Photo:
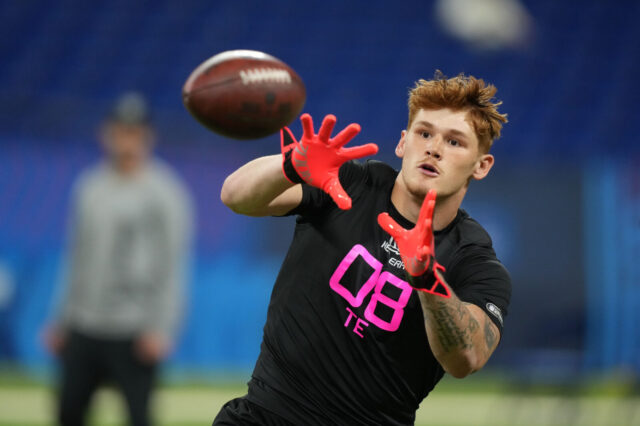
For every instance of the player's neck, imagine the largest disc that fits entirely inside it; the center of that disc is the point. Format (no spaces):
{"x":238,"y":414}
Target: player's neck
{"x":408,"y":205}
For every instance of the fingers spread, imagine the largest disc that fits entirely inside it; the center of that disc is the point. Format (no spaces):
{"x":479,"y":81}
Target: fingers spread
{"x":307,"y":125}
{"x":345,"y":135}
{"x":431,"y":195}
{"x":387,"y":223}
{"x":428,"y":205}
{"x":327,"y":127}
{"x":359,"y":151}
{"x":427,"y":231}
{"x":337,"y":193}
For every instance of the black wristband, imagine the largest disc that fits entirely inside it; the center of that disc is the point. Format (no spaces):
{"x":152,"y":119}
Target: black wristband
{"x":424,"y":281}
{"x":288,"y":169}
{"x":429,"y":281}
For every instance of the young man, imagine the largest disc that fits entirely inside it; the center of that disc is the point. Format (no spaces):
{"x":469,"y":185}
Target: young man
{"x":385,"y":286}
{"x":131,"y":220}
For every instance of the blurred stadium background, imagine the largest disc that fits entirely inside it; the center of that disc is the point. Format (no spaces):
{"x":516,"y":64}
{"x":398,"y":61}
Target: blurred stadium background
{"x":563,"y":203}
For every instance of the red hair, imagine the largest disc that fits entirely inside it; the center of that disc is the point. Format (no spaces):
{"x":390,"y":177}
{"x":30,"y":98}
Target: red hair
{"x":461,"y":93}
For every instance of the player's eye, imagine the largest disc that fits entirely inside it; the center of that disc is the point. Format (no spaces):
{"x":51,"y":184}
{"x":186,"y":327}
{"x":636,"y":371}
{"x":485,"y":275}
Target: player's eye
{"x":425,"y":134}
{"x":453,"y":142}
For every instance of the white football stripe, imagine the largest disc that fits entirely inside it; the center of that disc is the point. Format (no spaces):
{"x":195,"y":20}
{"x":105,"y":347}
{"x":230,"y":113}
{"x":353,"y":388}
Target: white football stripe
{"x":263,"y":75}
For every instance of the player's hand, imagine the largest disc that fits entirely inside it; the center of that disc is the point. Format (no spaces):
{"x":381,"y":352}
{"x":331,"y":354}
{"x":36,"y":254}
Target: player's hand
{"x":317,"y":158}
{"x":417,"y":248}
{"x":152,"y":347}
{"x":54,"y":339}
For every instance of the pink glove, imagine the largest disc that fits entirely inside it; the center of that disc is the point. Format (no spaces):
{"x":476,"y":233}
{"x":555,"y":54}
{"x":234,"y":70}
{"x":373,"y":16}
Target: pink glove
{"x":316,"y":159}
{"x":417,"y":248}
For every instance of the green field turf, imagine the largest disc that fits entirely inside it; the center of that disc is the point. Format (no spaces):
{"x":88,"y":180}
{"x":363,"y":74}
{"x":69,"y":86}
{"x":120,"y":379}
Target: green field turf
{"x":472,"y":401}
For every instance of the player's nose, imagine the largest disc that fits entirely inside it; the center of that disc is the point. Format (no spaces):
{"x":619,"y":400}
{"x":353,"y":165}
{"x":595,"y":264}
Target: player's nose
{"x":434,"y":146}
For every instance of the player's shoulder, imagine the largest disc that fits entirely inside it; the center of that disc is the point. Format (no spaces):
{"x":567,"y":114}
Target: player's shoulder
{"x":372,"y":172}
{"x":380,"y":173}
{"x":469,"y":233}
{"x":464,"y":234}
{"x":468,"y":243}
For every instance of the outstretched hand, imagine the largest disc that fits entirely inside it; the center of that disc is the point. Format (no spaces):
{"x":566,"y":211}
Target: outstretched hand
{"x":417,"y":248}
{"x":317,"y":158}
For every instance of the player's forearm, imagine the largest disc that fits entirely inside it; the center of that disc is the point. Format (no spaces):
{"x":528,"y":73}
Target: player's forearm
{"x":250,"y":189}
{"x":455,"y":335}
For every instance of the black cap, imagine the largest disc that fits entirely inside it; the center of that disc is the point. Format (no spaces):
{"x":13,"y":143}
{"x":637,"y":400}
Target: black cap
{"x":130,"y":108}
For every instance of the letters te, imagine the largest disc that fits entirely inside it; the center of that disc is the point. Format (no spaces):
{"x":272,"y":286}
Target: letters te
{"x":357,"y":328}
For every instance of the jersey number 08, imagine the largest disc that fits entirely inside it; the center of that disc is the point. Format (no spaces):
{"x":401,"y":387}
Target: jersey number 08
{"x":376,"y":282}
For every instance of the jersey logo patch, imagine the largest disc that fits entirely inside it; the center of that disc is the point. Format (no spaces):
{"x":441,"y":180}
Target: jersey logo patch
{"x":495,"y":311}
{"x":391,"y":247}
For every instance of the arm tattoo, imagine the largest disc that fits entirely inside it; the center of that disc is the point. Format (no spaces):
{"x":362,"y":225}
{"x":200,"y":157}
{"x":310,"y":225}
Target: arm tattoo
{"x":489,"y":335}
{"x":454,"y":326}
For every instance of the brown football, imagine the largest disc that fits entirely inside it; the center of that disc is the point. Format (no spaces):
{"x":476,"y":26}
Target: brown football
{"x":244,"y":94}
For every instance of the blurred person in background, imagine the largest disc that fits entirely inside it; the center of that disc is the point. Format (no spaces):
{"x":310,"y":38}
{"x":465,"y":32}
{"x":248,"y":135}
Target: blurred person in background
{"x":130,"y":232}
{"x":380,"y":296}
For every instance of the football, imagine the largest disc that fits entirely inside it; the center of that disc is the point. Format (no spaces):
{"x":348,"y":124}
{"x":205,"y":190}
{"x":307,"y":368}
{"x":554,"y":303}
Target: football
{"x":244,"y":94}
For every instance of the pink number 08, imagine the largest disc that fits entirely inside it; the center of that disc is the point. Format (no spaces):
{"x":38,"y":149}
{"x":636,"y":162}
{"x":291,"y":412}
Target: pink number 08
{"x":376,"y":281}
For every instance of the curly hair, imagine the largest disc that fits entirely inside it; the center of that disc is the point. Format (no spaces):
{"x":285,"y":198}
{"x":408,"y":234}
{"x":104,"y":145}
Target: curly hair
{"x":461,"y":93}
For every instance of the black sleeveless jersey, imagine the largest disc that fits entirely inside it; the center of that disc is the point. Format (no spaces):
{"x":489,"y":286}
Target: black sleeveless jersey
{"x":345,"y":342}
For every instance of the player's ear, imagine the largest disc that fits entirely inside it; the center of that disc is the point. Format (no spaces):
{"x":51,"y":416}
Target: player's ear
{"x":483,"y":166}
{"x":400,"y":146}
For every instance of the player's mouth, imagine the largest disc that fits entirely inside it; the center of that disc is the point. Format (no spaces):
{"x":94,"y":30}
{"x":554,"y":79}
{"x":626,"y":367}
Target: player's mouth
{"x":429,"y":170}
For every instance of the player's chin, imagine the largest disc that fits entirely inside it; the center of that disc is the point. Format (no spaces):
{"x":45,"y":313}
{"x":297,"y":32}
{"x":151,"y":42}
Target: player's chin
{"x":420,"y":191}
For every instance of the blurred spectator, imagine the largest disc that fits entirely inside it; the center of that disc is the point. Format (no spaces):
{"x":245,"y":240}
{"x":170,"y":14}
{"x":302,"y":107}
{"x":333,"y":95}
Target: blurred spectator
{"x":130,"y":231}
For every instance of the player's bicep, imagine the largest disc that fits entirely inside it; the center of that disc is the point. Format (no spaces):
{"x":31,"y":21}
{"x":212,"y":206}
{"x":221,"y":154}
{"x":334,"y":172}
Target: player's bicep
{"x":283,"y":203}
